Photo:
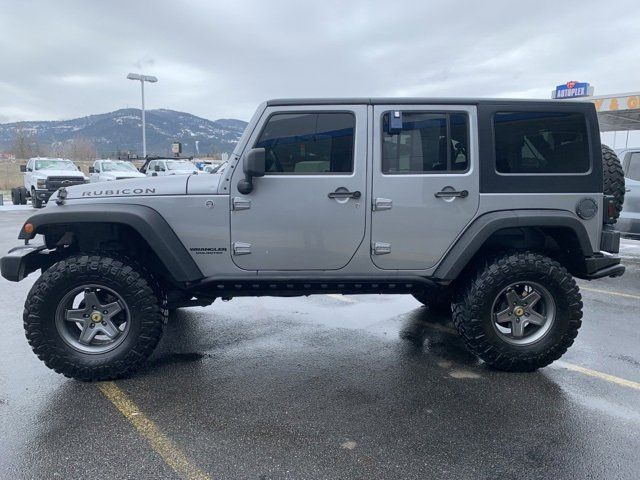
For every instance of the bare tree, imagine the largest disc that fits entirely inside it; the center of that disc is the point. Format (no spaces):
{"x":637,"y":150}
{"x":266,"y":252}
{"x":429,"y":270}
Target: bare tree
{"x":24,"y":144}
{"x":76,"y":149}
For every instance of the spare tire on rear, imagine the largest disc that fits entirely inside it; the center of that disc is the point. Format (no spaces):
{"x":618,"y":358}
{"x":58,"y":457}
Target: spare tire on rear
{"x":613,"y":178}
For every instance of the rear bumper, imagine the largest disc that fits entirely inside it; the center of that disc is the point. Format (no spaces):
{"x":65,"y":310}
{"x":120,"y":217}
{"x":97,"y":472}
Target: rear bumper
{"x":602,"y":265}
{"x":21,"y":261}
{"x":610,"y":240}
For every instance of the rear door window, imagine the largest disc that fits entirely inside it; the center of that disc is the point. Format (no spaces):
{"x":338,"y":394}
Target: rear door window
{"x":541,"y":143}
{"x":308,"y":143}
{"x":424,"y":142}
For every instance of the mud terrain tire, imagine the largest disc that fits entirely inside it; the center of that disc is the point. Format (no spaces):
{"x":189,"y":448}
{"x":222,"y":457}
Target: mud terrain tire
{"x":137,"y":299}
{"x":613,"y":178}
{"x":475,"y":314}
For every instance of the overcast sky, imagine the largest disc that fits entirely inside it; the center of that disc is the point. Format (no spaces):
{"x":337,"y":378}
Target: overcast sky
{"x":64,"y":59}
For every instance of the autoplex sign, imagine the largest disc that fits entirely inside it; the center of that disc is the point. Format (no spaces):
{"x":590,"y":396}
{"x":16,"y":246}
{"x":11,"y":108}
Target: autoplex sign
{"x":572,"y":89}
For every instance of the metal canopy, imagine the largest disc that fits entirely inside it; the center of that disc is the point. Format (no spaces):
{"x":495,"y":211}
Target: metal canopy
{"x":620,"y":112}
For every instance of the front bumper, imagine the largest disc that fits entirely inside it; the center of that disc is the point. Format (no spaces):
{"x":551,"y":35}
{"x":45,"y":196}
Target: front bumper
{"x":44,"y":195}
{"x":21,"y":261}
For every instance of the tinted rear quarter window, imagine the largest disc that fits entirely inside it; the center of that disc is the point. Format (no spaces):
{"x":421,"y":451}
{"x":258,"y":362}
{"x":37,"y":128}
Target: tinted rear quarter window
{"x":541,"y":143}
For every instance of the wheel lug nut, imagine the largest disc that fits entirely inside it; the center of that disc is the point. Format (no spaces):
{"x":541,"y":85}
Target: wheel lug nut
{"x":105,"y":311}
{"x":86,"y":315}
{"x":92,"y":325}
{"x":104,"y":323}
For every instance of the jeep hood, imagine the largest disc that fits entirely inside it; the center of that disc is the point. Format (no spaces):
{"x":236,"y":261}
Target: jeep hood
{"x":132,"y":187}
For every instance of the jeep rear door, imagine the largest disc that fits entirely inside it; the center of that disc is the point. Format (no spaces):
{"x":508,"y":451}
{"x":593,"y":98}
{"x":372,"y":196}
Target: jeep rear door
{"x":425,"y":182}
{"x":307,"y":212}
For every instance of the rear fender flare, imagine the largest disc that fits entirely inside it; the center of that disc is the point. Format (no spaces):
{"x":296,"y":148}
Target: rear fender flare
{"x":479,"y":231}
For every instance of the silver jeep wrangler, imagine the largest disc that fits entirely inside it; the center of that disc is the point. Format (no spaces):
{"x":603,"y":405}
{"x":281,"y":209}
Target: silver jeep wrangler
{"x":489,"y":208}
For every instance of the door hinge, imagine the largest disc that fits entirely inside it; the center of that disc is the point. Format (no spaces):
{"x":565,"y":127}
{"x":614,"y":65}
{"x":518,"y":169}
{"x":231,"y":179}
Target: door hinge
{"x":240,"y":204}
{"x":241,"y":248}
{"x":380,"y":248}
{"x":382,"y":204}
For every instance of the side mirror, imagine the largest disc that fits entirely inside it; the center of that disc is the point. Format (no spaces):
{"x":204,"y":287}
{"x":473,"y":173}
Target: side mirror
{"x":157,"y":168}
{"x":23,"y":168}
{"x":92,"y":170}
{"x":253,"y":165}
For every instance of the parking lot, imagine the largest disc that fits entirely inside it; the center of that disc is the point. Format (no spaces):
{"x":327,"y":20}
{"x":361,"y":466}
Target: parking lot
{"x":327,"y":387}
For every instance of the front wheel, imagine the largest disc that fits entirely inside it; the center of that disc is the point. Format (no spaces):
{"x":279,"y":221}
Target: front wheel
{"x":519,"y":312}
{"x":35,"y":201}
{"x":93,"y":318}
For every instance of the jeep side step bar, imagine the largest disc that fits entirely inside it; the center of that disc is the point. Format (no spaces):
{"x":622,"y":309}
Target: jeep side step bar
{"x":280,"y":286}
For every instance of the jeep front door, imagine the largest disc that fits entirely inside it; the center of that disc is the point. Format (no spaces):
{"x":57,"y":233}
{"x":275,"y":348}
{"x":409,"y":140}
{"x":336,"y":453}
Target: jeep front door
{"x":425,"y":182}
{"x":307,"y":212}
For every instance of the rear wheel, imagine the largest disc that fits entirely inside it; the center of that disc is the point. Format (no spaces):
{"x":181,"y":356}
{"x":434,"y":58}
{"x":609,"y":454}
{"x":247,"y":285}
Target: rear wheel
{"x":519,"y":312}
{"x":15,"y":196}
{"x":93,"y":318}
{"x":24,"y":194}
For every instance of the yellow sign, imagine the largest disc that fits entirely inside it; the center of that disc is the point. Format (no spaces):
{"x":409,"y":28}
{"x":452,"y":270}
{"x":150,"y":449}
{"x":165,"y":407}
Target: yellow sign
{"x":611,"y":104}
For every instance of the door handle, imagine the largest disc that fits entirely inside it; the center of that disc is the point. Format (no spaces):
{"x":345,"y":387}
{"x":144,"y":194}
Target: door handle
{"x":347,"y":194}
{"x":452,"y":193}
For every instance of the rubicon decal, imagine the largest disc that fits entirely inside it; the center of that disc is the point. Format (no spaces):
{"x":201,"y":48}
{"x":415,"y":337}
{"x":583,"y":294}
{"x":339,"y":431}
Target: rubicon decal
{"x":124,"y":191}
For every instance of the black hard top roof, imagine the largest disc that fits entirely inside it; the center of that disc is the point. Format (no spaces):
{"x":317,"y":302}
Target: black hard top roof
{"x":414,"y":101}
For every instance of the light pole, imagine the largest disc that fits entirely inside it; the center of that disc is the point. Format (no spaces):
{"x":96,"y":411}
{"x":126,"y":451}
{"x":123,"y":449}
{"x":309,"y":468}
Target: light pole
{"x":142,"y":79}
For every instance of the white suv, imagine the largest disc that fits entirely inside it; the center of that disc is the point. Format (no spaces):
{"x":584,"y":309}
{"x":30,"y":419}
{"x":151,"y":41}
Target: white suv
{"x":108,"y":170}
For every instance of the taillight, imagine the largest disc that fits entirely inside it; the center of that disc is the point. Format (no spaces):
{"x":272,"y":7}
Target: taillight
{"x":609,"y":210}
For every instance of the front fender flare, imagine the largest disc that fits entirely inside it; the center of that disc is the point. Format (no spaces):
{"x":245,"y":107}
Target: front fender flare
{"x":151,"y":226}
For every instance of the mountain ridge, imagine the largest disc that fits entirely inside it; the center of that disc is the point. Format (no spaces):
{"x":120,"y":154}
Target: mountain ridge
{"x":120,"y":132}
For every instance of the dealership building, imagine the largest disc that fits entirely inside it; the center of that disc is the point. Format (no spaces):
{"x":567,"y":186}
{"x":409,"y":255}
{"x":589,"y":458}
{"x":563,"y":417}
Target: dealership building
{"x":618,"y":114}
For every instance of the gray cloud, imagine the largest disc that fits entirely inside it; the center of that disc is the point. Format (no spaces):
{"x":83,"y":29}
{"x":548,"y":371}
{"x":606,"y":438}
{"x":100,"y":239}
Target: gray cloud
{"x":69,"y":58}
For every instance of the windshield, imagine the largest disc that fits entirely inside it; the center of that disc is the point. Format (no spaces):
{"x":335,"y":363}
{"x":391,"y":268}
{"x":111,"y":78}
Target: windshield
{"x":118,"y":167}
{"x":180,"y":165}
{"x":55,"y":165}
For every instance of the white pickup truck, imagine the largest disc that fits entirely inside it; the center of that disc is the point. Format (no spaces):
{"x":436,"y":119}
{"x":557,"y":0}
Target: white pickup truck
{"x":43,"y":176}
{"x":108,"y":170}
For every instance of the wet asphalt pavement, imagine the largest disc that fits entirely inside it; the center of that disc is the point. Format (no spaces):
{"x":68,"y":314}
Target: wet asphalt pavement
{"x":330,"y":387}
